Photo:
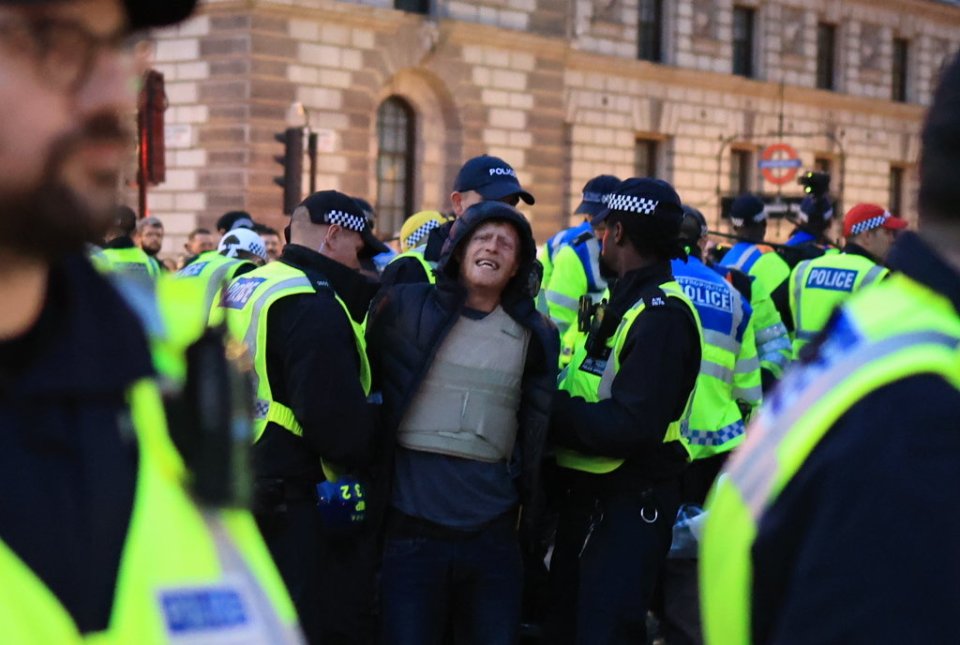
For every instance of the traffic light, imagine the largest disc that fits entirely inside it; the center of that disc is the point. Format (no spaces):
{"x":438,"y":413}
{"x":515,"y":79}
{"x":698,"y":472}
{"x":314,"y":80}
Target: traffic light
{"x":292,"y":162}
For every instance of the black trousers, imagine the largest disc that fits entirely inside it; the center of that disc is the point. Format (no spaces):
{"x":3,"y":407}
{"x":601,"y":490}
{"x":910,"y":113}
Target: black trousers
{"x":331,"y":579}
{"x":608,"y":553}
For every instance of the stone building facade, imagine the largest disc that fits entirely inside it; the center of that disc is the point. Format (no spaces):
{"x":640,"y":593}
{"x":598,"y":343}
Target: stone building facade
{"x":557,"y":88}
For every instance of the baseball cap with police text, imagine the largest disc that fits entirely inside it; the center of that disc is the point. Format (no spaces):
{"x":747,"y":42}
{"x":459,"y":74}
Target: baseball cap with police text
{"x":747,"y":210}
{"x":492,"y":177}
{"x":595,"y":194}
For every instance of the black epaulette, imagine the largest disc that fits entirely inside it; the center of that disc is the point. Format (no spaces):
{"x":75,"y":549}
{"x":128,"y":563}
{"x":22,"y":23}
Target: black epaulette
{"x":583,"y":237}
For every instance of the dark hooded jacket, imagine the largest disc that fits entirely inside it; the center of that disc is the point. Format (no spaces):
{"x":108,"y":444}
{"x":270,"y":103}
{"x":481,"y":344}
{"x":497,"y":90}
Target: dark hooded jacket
{"x":409,"y":322}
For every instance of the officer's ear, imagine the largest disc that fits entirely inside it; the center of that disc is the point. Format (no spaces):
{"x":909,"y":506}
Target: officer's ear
{"x":618,"y":233}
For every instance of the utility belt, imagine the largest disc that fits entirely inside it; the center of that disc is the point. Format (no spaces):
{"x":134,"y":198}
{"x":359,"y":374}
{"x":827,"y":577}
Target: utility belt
{"x":665,"y":464}
{"x":401,"y":525}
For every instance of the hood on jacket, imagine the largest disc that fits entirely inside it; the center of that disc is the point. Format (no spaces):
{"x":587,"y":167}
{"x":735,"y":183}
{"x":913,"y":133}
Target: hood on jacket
{"x":463,"y":227}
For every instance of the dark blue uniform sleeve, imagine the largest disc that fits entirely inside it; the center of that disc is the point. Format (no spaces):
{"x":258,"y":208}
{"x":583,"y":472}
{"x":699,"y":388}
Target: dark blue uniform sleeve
{"x":314,"y":369}
{"x":861,"y":544}
{"x":403,"y":271}
{"x":659,"y":363}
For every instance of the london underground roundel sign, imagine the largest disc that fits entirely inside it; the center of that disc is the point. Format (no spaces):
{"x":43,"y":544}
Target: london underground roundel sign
{"x":779,"y":163}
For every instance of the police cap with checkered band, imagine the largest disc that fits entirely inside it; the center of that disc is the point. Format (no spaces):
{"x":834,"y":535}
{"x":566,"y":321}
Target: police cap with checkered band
{"x":644,"y":197}
{"x":866,"y":217}
{"x":333,"y":207}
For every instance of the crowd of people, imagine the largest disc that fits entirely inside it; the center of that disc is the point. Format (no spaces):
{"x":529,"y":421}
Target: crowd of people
{"x":630,"y":432}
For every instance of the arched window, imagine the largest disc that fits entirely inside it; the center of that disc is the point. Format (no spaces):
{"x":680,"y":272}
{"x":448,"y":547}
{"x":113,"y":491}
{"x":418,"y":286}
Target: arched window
{"x":395,"y":158}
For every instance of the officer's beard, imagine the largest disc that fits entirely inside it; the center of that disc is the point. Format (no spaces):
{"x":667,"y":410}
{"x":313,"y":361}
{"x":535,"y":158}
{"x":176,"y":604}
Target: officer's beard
{"x":51,"y":220}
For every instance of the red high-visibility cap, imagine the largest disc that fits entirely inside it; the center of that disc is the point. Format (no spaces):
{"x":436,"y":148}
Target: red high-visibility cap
{"x":866,"y":217}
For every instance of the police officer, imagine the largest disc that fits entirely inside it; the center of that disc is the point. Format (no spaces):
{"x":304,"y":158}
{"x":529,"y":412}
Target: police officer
{"x":591,"y":203}
{"x":480,"y":179}
{"x":240,"y":251}
{"x":234,"y":219}
{"x":415,"y":238}
{"x":301,"y":319}
{"x":842,"y":495}
{"x":576,"y":269}
{"x":617,"y":426}
{"x":768,"y":270}
{"x":120,"y":254}
{"x":813,"y":222}
{"x":100,"y":537}
{"x":817,"y":286}
{"x":728,"y":391}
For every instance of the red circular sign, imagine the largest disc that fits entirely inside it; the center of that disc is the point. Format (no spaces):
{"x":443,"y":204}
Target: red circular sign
{"x":784,"y":175}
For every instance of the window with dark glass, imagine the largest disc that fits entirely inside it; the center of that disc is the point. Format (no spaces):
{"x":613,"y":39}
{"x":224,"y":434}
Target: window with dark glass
{"x":895,"y":201}
{"x":743,"y":41}
{"x":395,"y":157}
{"x":650,"y":30}
{"x":645,"y":158}
{"x":900,"y":56}
{"x":826,"y":55}
{"x":741,"y":169}
{"x":413,"y":6}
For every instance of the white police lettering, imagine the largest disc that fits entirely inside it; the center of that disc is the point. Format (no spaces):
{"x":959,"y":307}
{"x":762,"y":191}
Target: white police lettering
{"x":192,"y":270}
{"x":594,"y":366}
{"x":222,"y":612}
{"x":832,"y":279}
{"x":715,"y":296}
{"x":503,"y":171}
{"x":239,"y":292}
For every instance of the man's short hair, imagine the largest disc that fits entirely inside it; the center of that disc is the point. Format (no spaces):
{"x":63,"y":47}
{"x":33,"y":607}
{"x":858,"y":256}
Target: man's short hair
{"x":125,"y":220}
{"x":939,"y":193}
{"x":263,"y":229}
{"x":149,"y":222}
{"x":198,"y":231}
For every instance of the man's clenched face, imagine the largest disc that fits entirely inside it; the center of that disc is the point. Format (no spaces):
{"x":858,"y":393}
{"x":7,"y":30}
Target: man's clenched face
{"x":66,"y":88}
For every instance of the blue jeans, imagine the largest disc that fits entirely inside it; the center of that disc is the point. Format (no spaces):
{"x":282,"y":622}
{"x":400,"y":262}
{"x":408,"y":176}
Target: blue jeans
{"x":472,"y":583}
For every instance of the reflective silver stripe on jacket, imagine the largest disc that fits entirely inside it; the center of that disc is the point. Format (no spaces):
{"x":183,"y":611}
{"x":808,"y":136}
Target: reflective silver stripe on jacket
{"x":250,"y":339}
{"x":754,"y":468}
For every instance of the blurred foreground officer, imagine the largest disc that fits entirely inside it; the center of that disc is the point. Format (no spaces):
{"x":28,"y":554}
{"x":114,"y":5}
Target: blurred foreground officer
{"x":819,"y":285}
{"x":834,"y":522}
{"x":617,"y":423}
{"x":120,"y":254}
{"x":100,"y":539}
{"x":482,"y":178}
{"x":240,"y":251}
{"x":728,"y":391}
{"x":468,"y":370}
{"x":301,"y":319}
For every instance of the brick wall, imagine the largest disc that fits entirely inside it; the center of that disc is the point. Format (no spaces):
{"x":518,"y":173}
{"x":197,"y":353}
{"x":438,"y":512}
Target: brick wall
{"x":553,"y":87}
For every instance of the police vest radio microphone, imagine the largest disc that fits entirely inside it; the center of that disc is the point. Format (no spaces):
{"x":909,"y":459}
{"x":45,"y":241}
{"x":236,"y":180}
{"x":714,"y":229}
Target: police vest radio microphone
{"x":217,"y":429}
